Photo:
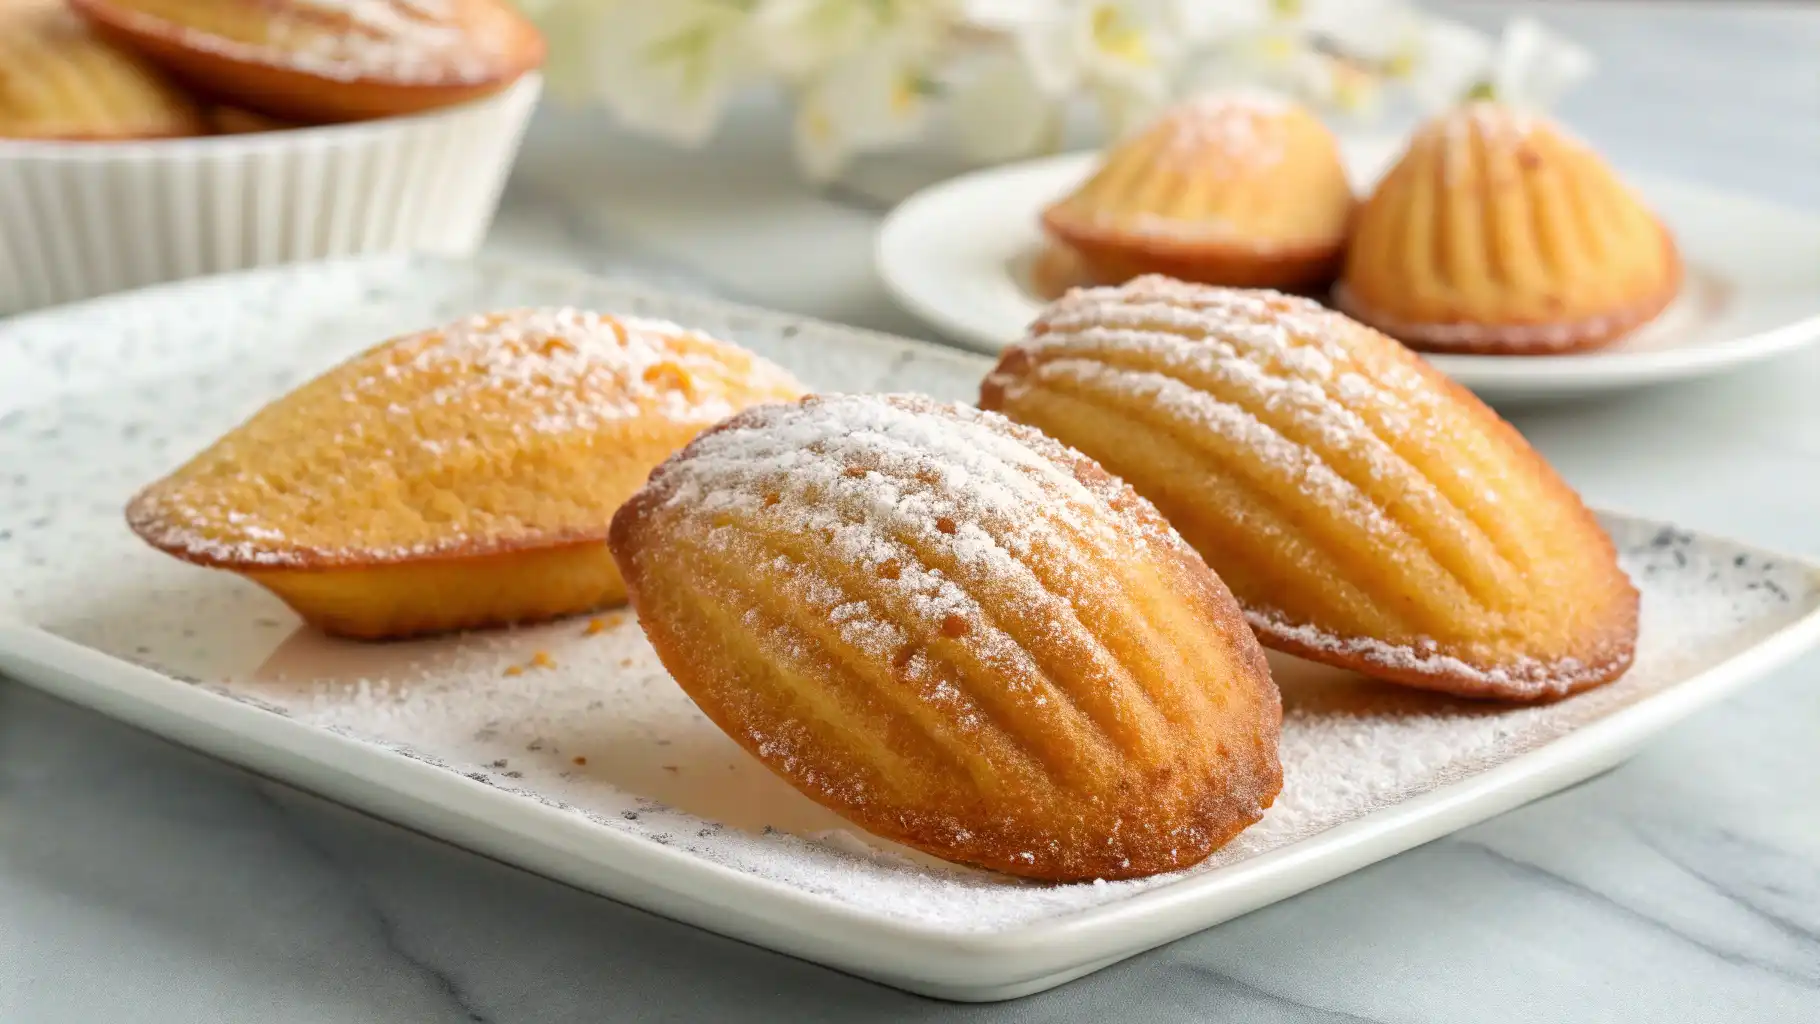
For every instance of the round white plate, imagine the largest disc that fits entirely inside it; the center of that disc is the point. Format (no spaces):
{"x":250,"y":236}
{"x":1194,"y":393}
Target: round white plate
{"x":958,"y":255}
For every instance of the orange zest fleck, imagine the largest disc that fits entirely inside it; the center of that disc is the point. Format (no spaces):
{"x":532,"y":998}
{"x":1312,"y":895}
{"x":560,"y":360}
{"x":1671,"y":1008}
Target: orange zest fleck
{"x":515,"y":670}
{"x":542,"y":659}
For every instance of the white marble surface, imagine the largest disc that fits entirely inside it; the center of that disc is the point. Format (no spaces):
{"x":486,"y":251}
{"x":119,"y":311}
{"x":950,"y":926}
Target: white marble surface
{"x":139,"y":882}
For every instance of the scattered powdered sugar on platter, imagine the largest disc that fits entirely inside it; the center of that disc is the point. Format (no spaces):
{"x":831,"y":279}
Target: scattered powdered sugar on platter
{"x":578,"y":714}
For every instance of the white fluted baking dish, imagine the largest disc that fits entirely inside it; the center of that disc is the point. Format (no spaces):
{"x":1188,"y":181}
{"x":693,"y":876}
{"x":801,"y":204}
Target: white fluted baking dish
{"x":79,"y":219}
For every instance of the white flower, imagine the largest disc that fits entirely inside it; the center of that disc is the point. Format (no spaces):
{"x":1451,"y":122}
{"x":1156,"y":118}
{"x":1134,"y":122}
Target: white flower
{"x":1125,"y":45}
{"x":1203,"y":22}
{"x":1002,"y":113}
{"x":1446,"y":61}
{"x":1356,"y":27}
{"x":868,"y":99}
{"x":1276,"y":56}
{"x":1535,"y":67}
{"x":1003,"y":15}
{"x":1340,"y":54}
{"x":1124,"y":53}
{"x":805,"y":37}
{"x":668,"y":66}
{"x":1366,"y":30}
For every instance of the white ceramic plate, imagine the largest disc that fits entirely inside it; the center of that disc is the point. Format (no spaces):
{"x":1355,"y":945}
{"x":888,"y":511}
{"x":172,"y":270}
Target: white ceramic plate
{"x":958,"y":255}
{"x":597,"y":770}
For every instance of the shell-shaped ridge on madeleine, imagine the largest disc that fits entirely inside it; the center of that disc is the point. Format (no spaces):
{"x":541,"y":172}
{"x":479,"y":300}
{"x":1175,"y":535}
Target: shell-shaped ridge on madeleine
{"x":1498,"y":231}
{"x":1365,"y":510}
{"x":1241,"y":187}
{"x":498,"y":432}
{"x":956,"y":633}
{"x":58,"y":80}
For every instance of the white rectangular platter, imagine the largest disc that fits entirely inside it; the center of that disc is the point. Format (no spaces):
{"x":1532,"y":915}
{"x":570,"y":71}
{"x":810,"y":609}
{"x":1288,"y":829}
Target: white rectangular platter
{"x":595,"y":768}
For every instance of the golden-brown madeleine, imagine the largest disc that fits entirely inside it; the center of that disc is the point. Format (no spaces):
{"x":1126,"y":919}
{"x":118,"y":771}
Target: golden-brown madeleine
{"x":59,"y":80}
{"x":1242,"y":188}
{"x":957,"y":634}
{"x":1367,"y":511}
{"x":1499,"y":233}
{"x":455,"y":478}
{"x":317,"y":61}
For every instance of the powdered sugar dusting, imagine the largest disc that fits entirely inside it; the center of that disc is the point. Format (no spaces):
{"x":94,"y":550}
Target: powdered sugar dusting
{"x":405,"y":41}
{"x":1226,"y":134}
{"x":553,"y":372}
{"x":868,"y":477}
{"x":1312,"y":474}
{"x":1285,"y":352}
{"x":578,"y":369}
{"x":1496,"y":122}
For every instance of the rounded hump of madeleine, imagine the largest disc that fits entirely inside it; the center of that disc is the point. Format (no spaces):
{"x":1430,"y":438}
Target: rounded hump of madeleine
{"x":1366,"y":511}
{"x":470,"y":449}
{"x":1238,"y":188}
{"x":313,"y":63}
{"x":1497,"y":232}
{"x":957,"y":634}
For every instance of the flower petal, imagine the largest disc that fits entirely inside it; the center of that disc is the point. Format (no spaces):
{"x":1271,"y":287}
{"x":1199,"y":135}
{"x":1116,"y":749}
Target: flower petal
{"x":1001,"y":112}
{"x":1053,"y":54}
{"x":1536,"y":67}
{"x":669,"y":67}
{"x":1203,"y":23}
{"x":1449,"y":60}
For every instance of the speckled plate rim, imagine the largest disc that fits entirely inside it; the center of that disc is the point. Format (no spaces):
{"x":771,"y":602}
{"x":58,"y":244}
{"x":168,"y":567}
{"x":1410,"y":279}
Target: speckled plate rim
{"x":971,"y":966}
{"x":946,"y":255}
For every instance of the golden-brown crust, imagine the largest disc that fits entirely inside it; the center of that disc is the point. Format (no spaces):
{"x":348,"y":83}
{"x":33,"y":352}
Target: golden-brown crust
{"x":1463,"y":336}
{"x":409,"y":599}
{"x":1497,"y":233}
{"x":262,"y":77}
{"x":425,"y":484}
{"x":1114,"y":257}
{"x":1368,"y":512}
{"x":1240,"y":189}
{"x":225,"y":120}
{"x":1056,"y":687}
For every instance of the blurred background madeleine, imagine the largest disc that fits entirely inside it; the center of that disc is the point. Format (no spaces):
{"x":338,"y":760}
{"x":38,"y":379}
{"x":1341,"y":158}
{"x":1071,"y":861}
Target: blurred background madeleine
{"x":61,"y":81}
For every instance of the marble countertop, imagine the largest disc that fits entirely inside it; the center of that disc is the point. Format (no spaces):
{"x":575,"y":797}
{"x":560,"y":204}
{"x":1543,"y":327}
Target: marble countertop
{"x":142,"y":882}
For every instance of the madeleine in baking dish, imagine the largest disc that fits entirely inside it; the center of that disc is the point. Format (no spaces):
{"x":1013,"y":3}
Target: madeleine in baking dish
{"x":59,"y":80}
{"x":1366,"y":511}
{"x":329,"y":60}
{"x":454,"y":478}
{"x":1240,"y":188}
{"x":956,"y":633}
{"x":1499,"y":233}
